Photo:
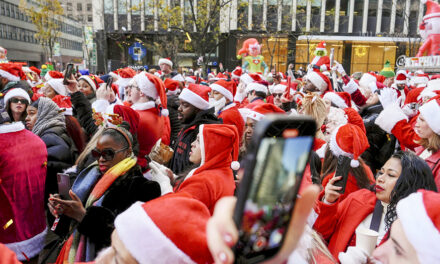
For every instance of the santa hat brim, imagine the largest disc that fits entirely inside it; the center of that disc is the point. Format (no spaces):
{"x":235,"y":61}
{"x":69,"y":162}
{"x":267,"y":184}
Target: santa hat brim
{"x":336,"y":99}
{"x":194,"y":99}
{"x":418,"y":228}
{"x":317,"y":80}
{"x":89,"y":81}
{"x":9,"y":76}
{"x":166,"y":61}
{"x":17,"y":92}
{"x":256,"y":87}
{"x":430,"y":112}
{"x":225,"y":92}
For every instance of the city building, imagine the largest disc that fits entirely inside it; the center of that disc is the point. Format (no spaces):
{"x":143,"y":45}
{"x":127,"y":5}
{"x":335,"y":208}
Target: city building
{"x":17,"y":35}
{"x":80,"y":10}
{"x":363,"y":33}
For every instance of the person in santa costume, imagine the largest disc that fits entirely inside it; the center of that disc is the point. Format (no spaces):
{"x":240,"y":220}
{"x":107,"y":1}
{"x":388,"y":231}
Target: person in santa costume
{"x":414,"y":235}
{"x":22,"y":177}
{"x":404,"y":173}
{"x":317,"y":82}
{"x":256,"y":93}
{"x":166,"y":67}
{"x":321,"y":60}
{"x":150,"y":101}
{"x":194,"y":110}
{"x":54,"y":87}
{"x":16,"y":102}
{"x":10,"y":76}
{"x":88,"y":84}
{"x":431,"y":45}
{"x":241,"y":94}
{"x":123,"y":77}
{"x":425,"y":135}
{"x":222,"y":93}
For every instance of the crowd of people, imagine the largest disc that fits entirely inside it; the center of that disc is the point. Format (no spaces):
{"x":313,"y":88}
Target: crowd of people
{"x":153,"y":159}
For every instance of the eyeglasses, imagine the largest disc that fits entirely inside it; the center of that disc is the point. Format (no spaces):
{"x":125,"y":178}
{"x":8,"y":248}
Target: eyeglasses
{"x":17,"y":100}
{"x":277,"y":95}
{"x":106,"y":154}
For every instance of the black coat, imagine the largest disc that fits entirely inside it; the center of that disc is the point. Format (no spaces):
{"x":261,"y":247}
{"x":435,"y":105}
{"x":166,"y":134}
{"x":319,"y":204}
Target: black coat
{"x":176,"y":124}
{"x":83,"y":112}
{"x":180,"y":161}
{"x":98,"y":223}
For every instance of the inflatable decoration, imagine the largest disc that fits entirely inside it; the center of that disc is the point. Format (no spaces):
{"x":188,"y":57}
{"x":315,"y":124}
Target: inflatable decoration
{"x":253,"y":62}
{"x":430,"y":30}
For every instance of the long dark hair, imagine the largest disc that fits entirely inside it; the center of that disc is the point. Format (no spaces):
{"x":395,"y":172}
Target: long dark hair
{"x":9,"y":110}
{"x":415,"y":175}
{"x":359,"y":173}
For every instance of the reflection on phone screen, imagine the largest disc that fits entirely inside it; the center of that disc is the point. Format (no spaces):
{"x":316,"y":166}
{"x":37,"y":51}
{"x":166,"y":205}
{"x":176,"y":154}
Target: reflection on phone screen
{"x":277,"y":174}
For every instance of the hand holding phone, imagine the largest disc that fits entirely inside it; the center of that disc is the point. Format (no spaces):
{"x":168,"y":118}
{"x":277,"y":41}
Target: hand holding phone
{"x":64,"y":185}
{"x":68,"y":74}
{"x":342,"y":170}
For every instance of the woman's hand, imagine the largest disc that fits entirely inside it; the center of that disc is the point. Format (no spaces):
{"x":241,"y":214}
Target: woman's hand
{"x":331,"y":191}
{"x":73,"y":209}
{"x":73,"y":85}
{"x":52,"y":205}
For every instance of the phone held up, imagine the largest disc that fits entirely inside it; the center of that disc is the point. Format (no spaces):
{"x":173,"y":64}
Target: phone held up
{"x":68,"y":74}
{"x":273,"y":169}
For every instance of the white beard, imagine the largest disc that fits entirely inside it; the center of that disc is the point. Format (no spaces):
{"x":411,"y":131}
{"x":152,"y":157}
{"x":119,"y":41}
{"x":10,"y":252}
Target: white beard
{"x":218,"y":105}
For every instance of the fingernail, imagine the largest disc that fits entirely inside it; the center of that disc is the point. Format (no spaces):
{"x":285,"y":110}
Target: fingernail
{"x":227,"y":238}
{"x":55,"y":211}
{"x":223,"y":257}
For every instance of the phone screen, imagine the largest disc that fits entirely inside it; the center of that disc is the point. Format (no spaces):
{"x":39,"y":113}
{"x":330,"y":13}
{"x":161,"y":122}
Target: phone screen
{"x":280,"y":163}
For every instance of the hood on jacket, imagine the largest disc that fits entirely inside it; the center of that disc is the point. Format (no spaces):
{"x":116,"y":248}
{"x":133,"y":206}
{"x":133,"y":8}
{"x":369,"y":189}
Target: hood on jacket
{"x":204,"y":117}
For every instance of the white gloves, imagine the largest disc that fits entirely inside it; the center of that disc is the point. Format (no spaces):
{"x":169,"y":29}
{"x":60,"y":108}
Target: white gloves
{"x":159,"y":174}
{"x":387,"y":97}
{"x":339,"y":68}
{"x":353,"y":255}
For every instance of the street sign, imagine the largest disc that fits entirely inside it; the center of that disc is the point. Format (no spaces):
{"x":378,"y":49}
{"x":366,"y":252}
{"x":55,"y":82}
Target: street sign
{"x":56,"y":49}
{"x":93,"y":56}
{"x":137,"y":51}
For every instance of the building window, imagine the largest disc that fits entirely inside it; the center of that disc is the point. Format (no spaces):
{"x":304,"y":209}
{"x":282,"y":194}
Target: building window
{"x":89,"y":18}
{"x":89,"y":7}
{"x":79,"y":7}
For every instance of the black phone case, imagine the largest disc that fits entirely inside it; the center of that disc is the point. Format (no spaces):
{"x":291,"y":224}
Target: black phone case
{"x":342,"y":170}
{"x":69,"y":71}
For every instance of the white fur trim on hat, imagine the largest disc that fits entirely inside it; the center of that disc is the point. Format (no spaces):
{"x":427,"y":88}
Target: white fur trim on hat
{"x":336,"y":99}
{"x":317,"y":80}
{"x":246,"y":78}
{"x":190,"y":80}
{"x":256,"y":87}
{"x":166,"y":61}
{"x":420,"y":80}
{"x":372,"y":86}
{"x":58,"y":86}
{"x":279,"y":88}
{"x":350,"y":87}
{"x":225,"y":92}
{"x":366,"y":79}
{"x":16,"y":92}
{"x":114,"y":75}
{"x":144,"y":240}
{"x":189,"y":96}
{"x":12,"y":127}
{"x":89,"y":81}
{"x":255,"y":115}
{"x":431,"y":112}
{"x":389,"y":117}
{"x":145,"y":85}
{"x":179,"y":78}
{"x":418,"y":228}
{"x":9,"y":76}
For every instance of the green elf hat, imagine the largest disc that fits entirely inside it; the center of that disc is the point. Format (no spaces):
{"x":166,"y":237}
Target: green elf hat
{"x":387,"y":71}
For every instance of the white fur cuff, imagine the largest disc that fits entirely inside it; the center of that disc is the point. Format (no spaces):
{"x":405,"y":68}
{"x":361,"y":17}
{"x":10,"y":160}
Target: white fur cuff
{"x":350,"y":87}
{"x":389,"y":117}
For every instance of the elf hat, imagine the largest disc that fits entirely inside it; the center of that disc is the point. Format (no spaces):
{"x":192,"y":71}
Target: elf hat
{"x":153,"y":87}
{"x":226,"y":88}
{"x":92,"y":80}
{"x":58,"y":86}
{"x":340,"y":99}
{"x":236,"y":73}
{"x":150,"y":234}
{"x":11,"y":71}
{"x":430,"y":112}
{"x":17,"y":92}
{"x":432,"y":9}
{"x":387,"y":71}
{"x":260,"y":111}
{"x":321,"y":81}
{"x":166,"y":61}
{"x":260,"y":86}
{"x":350,"y":141}
{"x":419,"y":215}
{"x":53,"y":75}
{"x":400,"y":78}
{"x":196,"y":95}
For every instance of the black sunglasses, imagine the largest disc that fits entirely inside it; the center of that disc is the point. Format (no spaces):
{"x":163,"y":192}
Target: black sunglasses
{"x":277,"y":95}
{"x":106,"y":154}
{"x":17,"y":100}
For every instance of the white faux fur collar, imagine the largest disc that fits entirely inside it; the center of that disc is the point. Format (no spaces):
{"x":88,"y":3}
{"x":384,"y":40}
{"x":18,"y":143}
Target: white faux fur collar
{"x":228,"y":106}
{"x":143,"y":106}
{"x":12,"y":127}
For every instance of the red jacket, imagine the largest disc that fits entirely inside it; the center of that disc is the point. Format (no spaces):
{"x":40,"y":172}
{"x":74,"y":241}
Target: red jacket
{"x":23,"y":161}
{"x":337,"y":222}
{"x":232,"y":116}
{"x":434,"y":163}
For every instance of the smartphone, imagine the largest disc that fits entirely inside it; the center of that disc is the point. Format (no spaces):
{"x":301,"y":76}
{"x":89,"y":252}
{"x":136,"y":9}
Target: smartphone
{"x":64,"y":185}
{"x":69,"y":70}
{"x":342,"y":169}
{"x":414,"y":106}
{"x":273,"y":169}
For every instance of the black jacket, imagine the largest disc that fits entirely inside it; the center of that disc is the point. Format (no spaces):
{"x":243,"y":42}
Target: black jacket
{"x":176,"y":124}
{"x":180,"y":161}
{"x":83,"y":112}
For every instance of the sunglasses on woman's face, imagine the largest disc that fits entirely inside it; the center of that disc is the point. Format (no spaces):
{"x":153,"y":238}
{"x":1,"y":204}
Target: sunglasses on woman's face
{"x":106,"y":154}
{"x":17,"y":100}
{"x":277,"y":95}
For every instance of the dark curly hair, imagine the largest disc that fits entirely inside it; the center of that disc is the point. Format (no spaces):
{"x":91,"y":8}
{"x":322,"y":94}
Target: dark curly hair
{"x":415,"y":175}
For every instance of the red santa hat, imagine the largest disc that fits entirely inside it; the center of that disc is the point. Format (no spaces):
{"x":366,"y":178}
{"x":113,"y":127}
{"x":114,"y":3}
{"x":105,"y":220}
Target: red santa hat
{"x":250,"y":77}
{"x":226,"y":88}
{"x":419,"y":214}
{"x":150,"y":234}
{"x":279,"y":88}
{"x":236,"y":73}
{"x":191,"y":79}
{"x":400,"y":78}
{"x":153,"y":87}
{"x":129,"y":115}
{"x":321,"y":81}
{"x":350,"y":141}
{"x":196,"y":95}
{"x":35,"y":69}
{"x":432,"y":9}
{"x":420,"y":79}
{"x":53,"y":75}
{"x":432,"y":89}
{"x":12,"y":71}
{"x":221,"y":76}
{"x":431,"y":113}
{"x":282,"y":75}
{"x":166,"y":61}
{"x":321,"y":45}
{"x":413,"y":95}
{"x":127,"y":73}
{"x":64,"y":103}
{"x":16,"y":92}
{"x":172,"y":86}
{"x":92,"y":80}
{"x":260,"y":86}
{"x":179,"y":78}
{"x":58,"y":86}
{"x":260,"y":111}
{"x":340,"y":99}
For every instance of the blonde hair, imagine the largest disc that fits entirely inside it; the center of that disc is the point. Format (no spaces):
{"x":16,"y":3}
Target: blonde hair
{"x":314,"y":106}
{"x":432,"y":143}
{"x":90,"y":146}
